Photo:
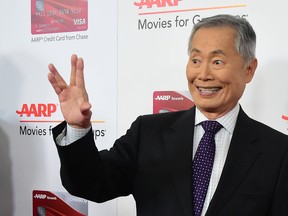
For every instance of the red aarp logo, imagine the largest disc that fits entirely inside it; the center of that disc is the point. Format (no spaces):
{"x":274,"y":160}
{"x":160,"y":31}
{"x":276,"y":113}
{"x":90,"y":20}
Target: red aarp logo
{"x":285,"y":117}
{"x":157,"y":3}
{"x":37,"y":110}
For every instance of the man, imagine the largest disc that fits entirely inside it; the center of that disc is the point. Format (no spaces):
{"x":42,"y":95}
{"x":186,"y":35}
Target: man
{"x":157,"y":160}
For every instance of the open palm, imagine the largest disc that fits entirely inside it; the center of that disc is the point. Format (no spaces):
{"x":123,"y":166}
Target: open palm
{"x":73,"y":98}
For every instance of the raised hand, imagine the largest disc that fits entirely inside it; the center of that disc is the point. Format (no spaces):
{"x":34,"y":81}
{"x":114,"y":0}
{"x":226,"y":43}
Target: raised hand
{"x":73,"y":98}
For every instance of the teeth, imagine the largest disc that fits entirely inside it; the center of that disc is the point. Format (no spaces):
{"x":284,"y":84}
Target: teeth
{"x":208,"y":90}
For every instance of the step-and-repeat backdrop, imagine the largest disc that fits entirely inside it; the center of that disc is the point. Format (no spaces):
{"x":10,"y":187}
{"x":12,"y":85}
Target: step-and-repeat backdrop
{"x":135,"y":56}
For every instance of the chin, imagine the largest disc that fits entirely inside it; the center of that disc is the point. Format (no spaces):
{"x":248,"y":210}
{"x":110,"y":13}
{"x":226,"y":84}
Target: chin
{"x":207,"y":108}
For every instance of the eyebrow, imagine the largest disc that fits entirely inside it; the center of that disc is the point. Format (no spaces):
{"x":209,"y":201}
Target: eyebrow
{"x":215,"y":52}
{"x":195,"y":50}
{"x":219,"y":52}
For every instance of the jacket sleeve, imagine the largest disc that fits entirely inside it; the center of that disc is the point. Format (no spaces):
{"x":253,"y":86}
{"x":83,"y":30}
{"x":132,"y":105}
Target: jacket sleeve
{"x":279,"y":205}
{"x":98,"y":175}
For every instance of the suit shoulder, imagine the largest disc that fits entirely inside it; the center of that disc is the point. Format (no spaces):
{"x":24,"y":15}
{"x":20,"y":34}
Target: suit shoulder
{"x":161,"y":120}
{"x":260,"y":128}
{"x":168,"y":117}
{"x":269,"y":132}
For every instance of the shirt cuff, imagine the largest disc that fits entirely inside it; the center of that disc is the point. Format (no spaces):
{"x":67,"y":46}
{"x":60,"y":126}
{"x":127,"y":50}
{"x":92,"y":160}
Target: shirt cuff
{"x":70,"y":135}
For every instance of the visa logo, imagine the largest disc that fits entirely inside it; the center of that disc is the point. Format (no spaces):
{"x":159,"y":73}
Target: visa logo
{"x":80,"y":21}
{"x":163,"y":97}
{"x":157,"y":3}
{"x":40,"y":196}
{"x":38,"y":110}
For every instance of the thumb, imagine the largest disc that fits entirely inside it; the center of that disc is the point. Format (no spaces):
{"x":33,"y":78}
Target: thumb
{"x":85,"y":109}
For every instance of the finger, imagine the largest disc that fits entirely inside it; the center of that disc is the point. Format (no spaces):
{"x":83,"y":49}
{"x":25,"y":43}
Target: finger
{"x":80,"y":83}
{"x":55,"y":78}
{"x":53,"y":82}
{"x":74,"y":60}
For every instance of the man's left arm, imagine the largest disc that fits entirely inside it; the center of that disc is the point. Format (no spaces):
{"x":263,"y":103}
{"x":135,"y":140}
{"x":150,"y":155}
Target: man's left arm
{"x":279,"y":205}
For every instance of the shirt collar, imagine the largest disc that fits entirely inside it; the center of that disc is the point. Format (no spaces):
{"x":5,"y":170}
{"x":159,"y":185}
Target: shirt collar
{"x":228,"y":121}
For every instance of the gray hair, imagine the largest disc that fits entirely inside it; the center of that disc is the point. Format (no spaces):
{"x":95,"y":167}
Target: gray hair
{"x":245,"y":42}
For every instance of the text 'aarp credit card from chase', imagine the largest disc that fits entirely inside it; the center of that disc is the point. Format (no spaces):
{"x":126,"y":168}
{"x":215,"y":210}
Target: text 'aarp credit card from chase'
{"x":53,"y":16}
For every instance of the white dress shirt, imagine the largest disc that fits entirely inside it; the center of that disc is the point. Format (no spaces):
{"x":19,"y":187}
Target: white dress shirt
{"x":222,"y":140}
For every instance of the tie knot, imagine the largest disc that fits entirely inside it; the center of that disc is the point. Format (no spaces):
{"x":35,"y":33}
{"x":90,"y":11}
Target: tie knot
{"x":211,"y":126}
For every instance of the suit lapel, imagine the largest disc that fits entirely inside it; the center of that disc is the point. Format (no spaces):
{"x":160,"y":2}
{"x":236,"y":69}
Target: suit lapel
{"x":178,"y":142}
{"x":241,"y":155}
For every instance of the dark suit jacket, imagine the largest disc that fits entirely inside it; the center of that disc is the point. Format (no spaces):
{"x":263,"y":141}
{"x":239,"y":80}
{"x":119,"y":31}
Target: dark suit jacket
{"x":153,"y":163}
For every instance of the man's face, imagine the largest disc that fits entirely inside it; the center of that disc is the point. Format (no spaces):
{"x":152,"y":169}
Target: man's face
{"x":216,"y":73}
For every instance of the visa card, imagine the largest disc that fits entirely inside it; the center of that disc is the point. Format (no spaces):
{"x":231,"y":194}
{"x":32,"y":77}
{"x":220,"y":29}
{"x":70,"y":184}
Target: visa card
{"x":54,"y":16}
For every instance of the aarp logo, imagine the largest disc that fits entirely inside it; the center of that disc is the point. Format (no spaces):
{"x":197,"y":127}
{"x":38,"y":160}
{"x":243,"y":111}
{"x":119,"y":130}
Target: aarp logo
{"x":40,"y":196}
{"x":37,"y":110}
{"x":162,"y":97}
{"x":156,"y":3}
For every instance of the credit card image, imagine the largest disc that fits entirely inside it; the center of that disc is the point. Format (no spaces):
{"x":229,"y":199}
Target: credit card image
{"x":54,"y":16}
{"x":171,"y":101}
{"x":47,"y":203}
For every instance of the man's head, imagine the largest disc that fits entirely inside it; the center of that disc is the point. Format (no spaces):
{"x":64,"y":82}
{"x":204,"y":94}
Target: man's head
{"x":221,"y":62}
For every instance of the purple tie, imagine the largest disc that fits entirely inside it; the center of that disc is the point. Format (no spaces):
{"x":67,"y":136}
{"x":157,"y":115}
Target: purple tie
{"x":203,"y":164}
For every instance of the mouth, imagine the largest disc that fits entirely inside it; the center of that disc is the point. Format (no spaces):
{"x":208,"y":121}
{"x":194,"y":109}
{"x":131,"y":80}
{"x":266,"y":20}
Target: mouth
{"x":208,"y":91}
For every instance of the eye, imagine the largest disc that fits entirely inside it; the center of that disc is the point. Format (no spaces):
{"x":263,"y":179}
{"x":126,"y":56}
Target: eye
{"x":218,"y":62}
{"x":195,"y":62}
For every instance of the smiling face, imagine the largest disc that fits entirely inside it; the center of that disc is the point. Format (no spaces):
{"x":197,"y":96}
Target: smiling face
{"x":216,"y":72}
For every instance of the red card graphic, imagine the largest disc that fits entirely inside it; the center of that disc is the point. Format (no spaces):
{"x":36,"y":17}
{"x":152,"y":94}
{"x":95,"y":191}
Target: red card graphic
{"x":54,"y":16}
{"x":171,"y":101}
{"x":46,"y":203}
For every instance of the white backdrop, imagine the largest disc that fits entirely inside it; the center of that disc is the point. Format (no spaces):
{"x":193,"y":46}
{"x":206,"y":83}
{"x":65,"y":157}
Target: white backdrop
{"x":129,"y":52}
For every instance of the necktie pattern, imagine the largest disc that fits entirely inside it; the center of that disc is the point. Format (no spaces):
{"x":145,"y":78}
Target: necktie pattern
{"x":203,"y":164}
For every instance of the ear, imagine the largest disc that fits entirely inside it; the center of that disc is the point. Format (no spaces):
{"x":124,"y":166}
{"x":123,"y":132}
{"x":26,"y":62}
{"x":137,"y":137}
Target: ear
{"x":250,"y":69}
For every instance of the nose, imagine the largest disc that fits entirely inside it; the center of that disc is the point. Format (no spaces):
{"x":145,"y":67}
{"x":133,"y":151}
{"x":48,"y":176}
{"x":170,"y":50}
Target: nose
{"x":205,"y":72}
